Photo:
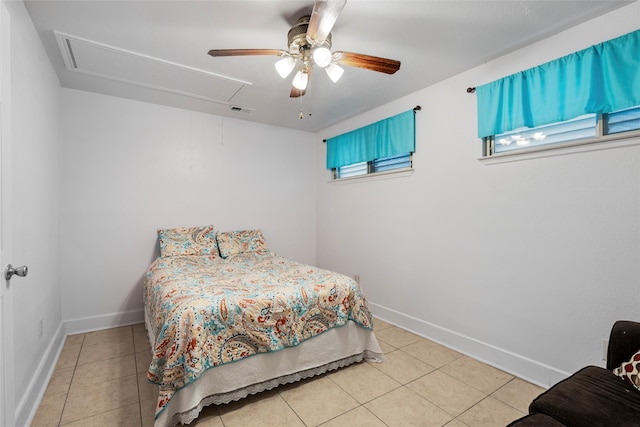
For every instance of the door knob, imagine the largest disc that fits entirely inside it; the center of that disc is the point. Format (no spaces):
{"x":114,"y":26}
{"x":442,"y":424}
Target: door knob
{"x":18,"y":271}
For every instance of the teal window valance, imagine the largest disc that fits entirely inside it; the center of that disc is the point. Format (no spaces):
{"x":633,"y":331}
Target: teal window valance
{"x":386,"y":138}
{"x":600,"y":79}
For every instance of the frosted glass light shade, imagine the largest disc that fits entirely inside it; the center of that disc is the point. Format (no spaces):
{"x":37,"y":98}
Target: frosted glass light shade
{"x":334,"y":71}
{"x":300,"y":80}
{"x":285,"y":66}
{"x":321,"y":56}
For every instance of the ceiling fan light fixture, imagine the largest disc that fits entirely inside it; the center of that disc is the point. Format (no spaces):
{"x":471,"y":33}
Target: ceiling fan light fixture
{"x":285,"y":66}
{"x":301,"y":79}
{"x":309,"y":44}
{"x":334,"y":71}
{"x":322,"y":56}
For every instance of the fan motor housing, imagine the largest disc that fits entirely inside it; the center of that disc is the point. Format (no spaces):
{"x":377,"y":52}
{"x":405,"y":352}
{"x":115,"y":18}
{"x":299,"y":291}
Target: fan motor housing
{"x":297,"y":37}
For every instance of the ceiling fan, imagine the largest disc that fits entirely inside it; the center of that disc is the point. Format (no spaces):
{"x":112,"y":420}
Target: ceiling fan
{"x":310,"y":43}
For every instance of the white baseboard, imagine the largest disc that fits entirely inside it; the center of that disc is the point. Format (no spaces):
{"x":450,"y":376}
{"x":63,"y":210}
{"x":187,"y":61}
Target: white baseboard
{"x":518,"y":365}
{"x":105,"y":321}
{"x":28,"y":405}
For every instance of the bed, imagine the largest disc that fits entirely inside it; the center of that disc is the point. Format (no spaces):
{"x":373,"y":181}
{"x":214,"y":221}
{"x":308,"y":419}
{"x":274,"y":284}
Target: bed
{"x":227,"y":317}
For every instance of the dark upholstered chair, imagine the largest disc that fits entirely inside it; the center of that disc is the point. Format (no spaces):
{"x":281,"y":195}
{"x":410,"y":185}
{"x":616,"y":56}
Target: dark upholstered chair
{"x":593,"y":396}
{"x":537,"y":420}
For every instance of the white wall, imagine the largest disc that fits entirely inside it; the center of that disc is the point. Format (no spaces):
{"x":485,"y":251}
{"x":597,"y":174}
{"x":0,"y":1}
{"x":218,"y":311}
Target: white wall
{"x":525,"y":265}
{"x":129,"y":168}
{"x":35,"y":114}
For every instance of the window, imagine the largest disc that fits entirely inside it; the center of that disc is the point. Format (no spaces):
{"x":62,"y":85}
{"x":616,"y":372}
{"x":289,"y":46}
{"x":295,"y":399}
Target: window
{"x":623,"y":121}
{"x":586,"y":127}
{"x":402,"y":161}
{"x":587,"y":96}
{"x":384,"y":146}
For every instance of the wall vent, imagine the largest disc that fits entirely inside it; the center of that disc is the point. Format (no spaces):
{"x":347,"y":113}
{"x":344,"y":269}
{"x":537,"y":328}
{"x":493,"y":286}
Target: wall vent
{"x":109,"y":62}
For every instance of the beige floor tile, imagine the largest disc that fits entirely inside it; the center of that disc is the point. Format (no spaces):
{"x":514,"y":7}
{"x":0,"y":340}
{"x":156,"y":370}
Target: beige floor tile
{"x":208,"y":422}
{"x":140,"y":338}
{"x":455,"y":423}
{"x":208,"y":417}
{"x":95,"y":399}
{"x":403,"y":367}
{"x":379,"y":324}
{"x":518,"y":393}
{"x":68,"y":356}
{"x":85,"y":389}
{"x":490,"y":413}
{"x":146,"y":389}
{"x":446,"y":392}
{"x":127,"y":416}
{"x":143,"y":360}
{"x":264,"y":409}
{"x":317,"y":401}
{"x":73,"y":340}
{"x":431,"y":353}
{"x":49,"y":411}
{"x":141,"y":342}
{"x":358,"y":417}
{"x":364,"y":382}
{"x":397,"y":337}
{"x":60,"y":381}
{"x":139,"y":328}
{"x":121,"y":334}
{"x":402,"y":407}
{"x":386,"y":348}
{"x":104,"y":350}
{"x":479,"y":375}
{"x":108,"y":369}
{"x":148,"y":412}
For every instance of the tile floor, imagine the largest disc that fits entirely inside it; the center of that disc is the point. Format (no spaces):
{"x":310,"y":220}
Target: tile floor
{"x":100,"y":381}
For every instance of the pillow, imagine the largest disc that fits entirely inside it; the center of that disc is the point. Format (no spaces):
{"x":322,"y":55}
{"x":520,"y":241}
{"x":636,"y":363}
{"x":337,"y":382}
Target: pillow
{"x":629,"y":370}
{"x":237,"y":242}
{"x":188,"y":241}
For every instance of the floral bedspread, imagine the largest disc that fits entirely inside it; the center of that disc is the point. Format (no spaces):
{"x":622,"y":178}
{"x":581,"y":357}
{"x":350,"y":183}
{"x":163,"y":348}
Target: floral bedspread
{"x":207,"y":311}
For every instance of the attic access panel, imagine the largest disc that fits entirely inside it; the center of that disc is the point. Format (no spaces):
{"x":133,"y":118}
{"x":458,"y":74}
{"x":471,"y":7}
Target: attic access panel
{"x":100,"y":60}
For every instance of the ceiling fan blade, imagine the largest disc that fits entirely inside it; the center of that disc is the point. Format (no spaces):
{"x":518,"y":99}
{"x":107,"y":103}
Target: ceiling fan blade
{"x":368,"y":62}
{"x":324,"y":16}
{"x":247,"y":52}
{"x":296,"y":93}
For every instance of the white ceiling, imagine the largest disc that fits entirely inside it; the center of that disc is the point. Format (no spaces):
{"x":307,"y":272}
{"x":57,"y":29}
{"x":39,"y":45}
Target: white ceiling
{"x":168,"y":42}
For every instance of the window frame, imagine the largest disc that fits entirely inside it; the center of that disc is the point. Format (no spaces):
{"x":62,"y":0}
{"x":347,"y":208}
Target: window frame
{"x":575,"y":145}
{"x":372,"y":173}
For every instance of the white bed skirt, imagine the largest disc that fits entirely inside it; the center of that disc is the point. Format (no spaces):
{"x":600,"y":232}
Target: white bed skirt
{"x":330,"y":350}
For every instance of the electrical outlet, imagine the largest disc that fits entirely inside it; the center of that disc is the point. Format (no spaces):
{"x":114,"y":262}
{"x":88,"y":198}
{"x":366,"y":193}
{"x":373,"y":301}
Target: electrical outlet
{"x":41,"y":328}
{"x":605,"y":346}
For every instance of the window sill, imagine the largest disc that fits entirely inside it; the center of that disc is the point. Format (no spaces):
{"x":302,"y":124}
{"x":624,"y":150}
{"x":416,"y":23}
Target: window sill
{"x":398,"y":173}
{"x":628,"y":139}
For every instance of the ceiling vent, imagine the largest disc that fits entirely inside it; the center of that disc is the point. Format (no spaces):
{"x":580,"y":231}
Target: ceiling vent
{"x":238,"y":109}
{"x":108,"y":62}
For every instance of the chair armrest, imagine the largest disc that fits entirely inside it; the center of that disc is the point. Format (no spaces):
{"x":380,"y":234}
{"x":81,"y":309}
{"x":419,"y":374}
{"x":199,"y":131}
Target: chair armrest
{"x":624,"y":341}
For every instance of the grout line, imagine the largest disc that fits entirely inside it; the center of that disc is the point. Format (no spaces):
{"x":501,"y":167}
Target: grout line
{"x":135,"y":364}
{"x":75,"y":367}
{"x":290,"y":407}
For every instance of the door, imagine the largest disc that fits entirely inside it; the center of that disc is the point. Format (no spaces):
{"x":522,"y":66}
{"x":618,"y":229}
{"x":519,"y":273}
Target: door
{"x":7,"y":400}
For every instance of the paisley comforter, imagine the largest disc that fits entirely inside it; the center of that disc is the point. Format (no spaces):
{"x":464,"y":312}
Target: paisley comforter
{"x":206,"y":311}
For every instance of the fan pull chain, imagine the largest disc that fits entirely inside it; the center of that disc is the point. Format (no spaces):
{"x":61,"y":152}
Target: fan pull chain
{"x":301,"y":115}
